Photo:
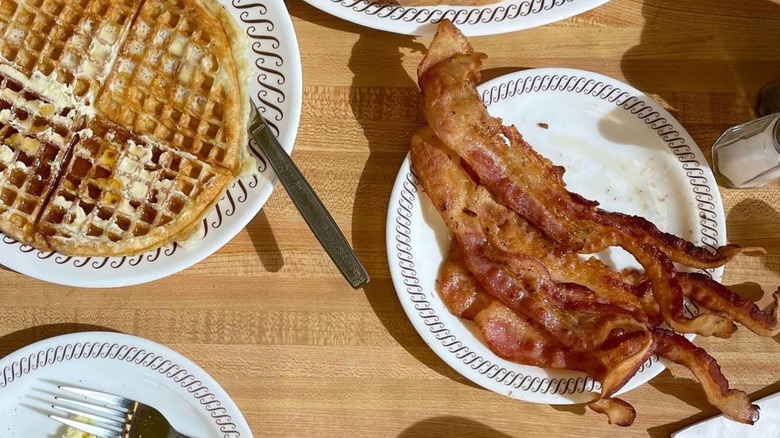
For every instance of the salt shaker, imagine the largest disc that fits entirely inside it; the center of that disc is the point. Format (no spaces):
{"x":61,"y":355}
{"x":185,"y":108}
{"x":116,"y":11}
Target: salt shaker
{"x":748,"y":155}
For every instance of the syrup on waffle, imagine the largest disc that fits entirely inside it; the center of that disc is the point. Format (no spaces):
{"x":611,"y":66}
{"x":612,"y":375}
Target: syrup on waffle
{"x":121,"y":122}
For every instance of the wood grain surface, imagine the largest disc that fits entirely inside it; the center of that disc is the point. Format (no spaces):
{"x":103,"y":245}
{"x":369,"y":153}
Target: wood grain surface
{"x":304,"y":355}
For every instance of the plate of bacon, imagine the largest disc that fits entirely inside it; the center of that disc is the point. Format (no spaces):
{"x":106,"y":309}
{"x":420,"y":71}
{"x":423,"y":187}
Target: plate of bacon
{"x":537,"y":292}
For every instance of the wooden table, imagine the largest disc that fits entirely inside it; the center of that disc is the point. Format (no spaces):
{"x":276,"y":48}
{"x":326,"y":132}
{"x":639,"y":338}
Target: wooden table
{"x":304,"y":355}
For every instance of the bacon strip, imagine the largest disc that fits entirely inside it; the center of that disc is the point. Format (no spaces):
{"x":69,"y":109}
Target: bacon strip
{"x":509,"y":232}
{"x":517,"y":280}
{"x":618,"y":411}
{"x":715,"y":297}
{"x":513,"y":337}
{"x":458,"y":199}
{"x":530,"y":185}
{"x":636,"y":227}
{"x":522,"y":179}
{"x":459,"y":290}
{"x":732,"y":402}
{"x":506,"y":230}
{"x":514,"y":268}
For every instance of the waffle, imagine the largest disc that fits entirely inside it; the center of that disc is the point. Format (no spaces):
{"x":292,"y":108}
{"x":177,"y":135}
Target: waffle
{"x":121,"y":122}
{"x":119,"y":193}
{"x":33,"y":143}
{"x":171,"y":83}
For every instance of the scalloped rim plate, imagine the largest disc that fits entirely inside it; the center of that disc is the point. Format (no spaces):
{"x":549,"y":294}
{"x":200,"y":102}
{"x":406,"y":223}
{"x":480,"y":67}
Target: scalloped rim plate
{"x":497,"y":18}
{"x":276,"y":87}
{"x":619,"y":147}
{"x":119,"y":364}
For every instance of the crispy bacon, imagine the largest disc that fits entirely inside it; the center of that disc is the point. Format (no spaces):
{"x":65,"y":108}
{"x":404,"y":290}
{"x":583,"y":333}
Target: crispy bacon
{"x":628,"y":289}
{"x":518,"y":280}
{"x":521,"y":178}
{"x":458,"y":289}
{"x":640,"y":229}
{"x":618,"y":411}
{"x":717,"y":298}
{"x":731,"y":402}
{"x":514,"y":267}
{"x":513,"y":337}
{"x":530,"y":185}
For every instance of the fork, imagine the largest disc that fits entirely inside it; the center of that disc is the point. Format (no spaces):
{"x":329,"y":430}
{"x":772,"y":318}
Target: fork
{"x":112,"y":416}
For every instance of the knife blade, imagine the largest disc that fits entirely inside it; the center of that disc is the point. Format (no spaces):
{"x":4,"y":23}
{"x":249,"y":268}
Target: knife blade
{"x":308,"y":203}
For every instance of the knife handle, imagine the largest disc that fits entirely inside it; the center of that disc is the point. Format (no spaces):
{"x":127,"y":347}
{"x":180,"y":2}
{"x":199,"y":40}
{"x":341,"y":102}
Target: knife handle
{"x":311,"y":208}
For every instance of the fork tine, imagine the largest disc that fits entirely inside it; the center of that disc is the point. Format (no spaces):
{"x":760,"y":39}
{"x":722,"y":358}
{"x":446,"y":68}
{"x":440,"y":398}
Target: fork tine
{"x":109,"y":422}
{"x":89,"y":428}
{"x":117,"y":415}
{"x":121,"y":403}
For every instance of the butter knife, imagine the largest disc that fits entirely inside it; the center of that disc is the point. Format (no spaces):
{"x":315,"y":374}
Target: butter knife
{"x":308,"y":203}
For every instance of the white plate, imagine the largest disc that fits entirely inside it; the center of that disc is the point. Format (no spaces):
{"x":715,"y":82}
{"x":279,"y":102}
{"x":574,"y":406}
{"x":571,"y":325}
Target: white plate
{"x":277,"y":90}
{"x":120,"y":364}
{"x":502,"y":17}
{"x":619,"y":147}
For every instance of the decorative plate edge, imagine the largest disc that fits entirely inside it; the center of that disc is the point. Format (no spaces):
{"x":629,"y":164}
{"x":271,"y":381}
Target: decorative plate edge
{"x":459,"y":16}
{"x":212,"y":406}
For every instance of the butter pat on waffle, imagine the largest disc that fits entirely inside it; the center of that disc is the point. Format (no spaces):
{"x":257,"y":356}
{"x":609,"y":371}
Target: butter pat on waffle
{"x":121,"y":122}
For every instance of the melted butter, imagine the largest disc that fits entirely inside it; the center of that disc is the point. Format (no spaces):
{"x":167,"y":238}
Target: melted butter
{"x":135,"y":158}
{"x":108,"y":158}
{"x":78,"y":218}
{"x":99,"y":50}
{"x":177,"y":45}
{"x":6,"y":154}
{"x":108,"y":33}
{"x":114,"y":228}
{"x":125,"y":207}
{"x":111,"y":198}
{"x":46,"y":109}
{"x":197,"y":236}
{"x":28,"y":145}
{"x":51,"y":136}
{"x":138,"y":190}
{"x":146,"y":175}
{"x":143,"y":154}
{"x":60,"y":201}
{"x":89,"y":69}
{"x":128,"y":165}
{"x":164,"y":185}
{"x":60,"y":95}
{"x":249,"y":166}
{"x":115,"y":184}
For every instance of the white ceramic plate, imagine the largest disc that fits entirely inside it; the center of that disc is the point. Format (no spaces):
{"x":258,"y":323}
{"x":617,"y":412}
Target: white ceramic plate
{"x":505,"y":16}
{"x":120,"y":364}
{"x":619,"y":147}
{"x":277,"y":89}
